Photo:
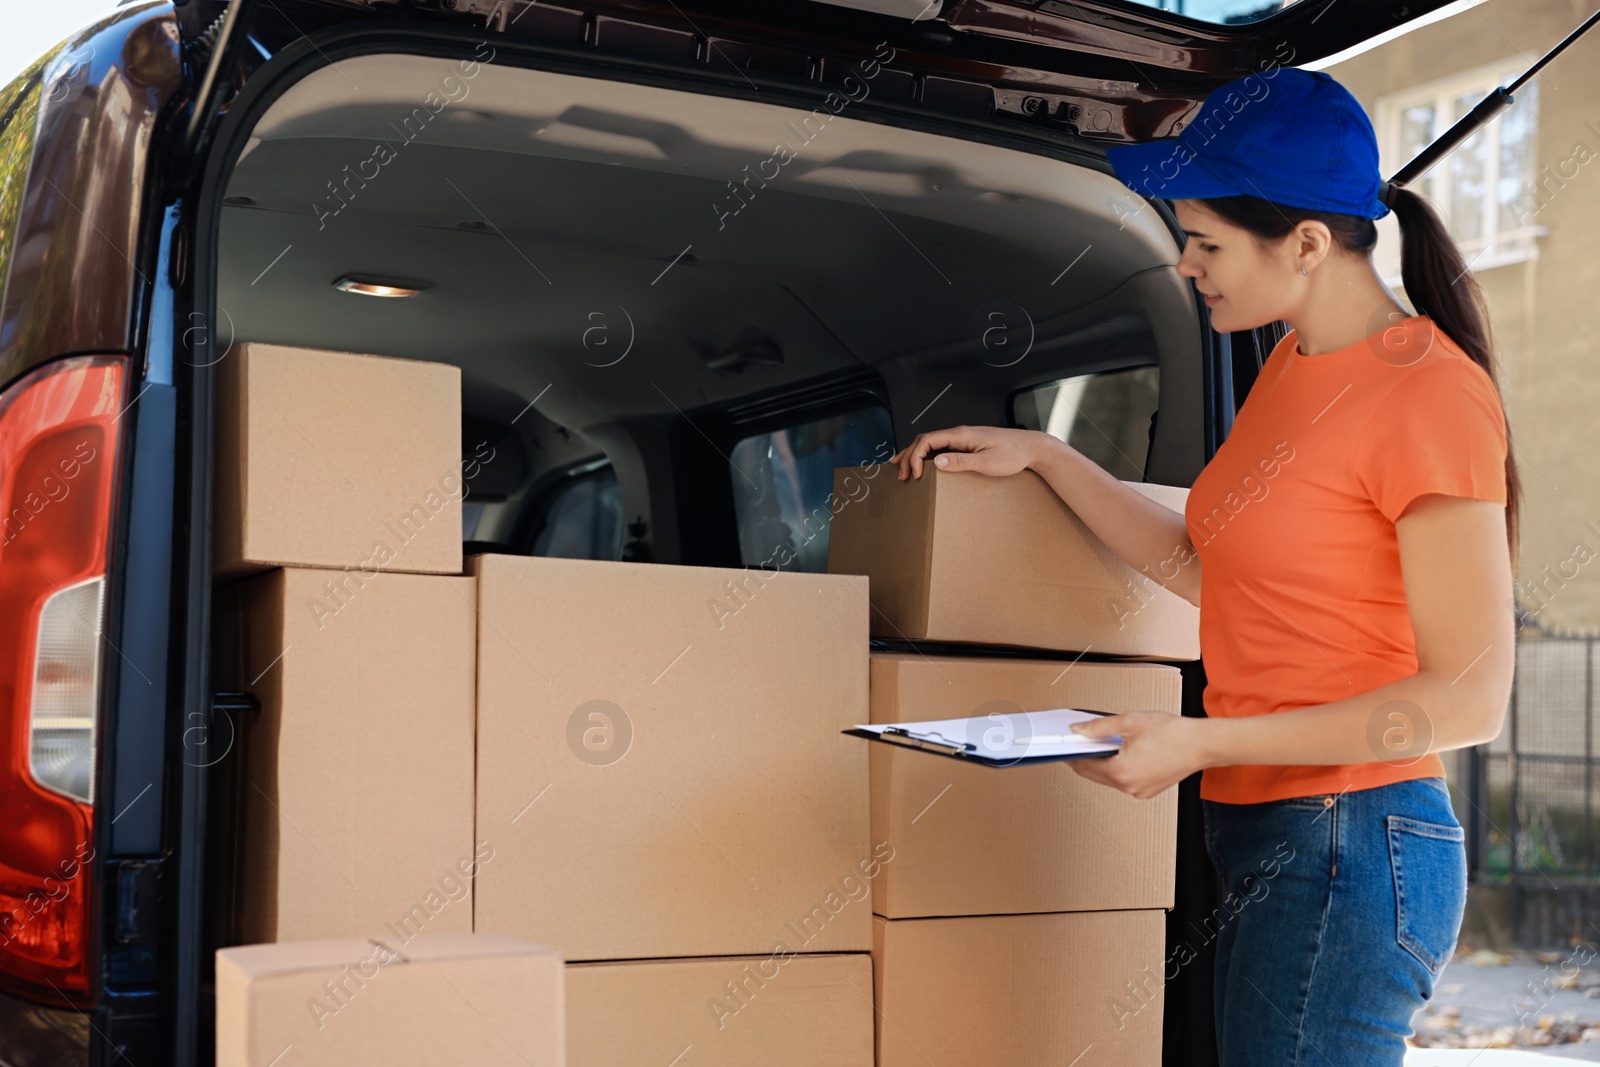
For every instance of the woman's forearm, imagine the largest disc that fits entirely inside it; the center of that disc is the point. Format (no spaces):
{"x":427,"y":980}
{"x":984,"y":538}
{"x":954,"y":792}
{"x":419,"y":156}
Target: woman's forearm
{"x":1399,"y":722}
{"x":1149,"y":537}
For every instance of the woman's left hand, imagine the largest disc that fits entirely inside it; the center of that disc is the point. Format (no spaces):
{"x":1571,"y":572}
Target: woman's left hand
{"x":1158,"y":751}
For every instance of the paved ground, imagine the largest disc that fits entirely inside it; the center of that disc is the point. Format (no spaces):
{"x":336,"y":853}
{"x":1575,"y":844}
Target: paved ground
{"x":1489,"y":1057}
{"x":1544,"y":1005}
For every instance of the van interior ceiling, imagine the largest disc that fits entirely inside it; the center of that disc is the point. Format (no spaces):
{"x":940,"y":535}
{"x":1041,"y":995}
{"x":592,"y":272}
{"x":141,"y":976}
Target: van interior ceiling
{"x":619,"y":256}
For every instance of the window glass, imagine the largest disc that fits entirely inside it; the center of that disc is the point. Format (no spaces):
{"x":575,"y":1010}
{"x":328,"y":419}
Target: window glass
{"x":470,"y":514}
{"x":1487,"y":190}
{"x":1105,"y":416}
{"x":783,"y":485}
{"x":583,"y":520}
{"x":1416,"y":133}
{"x":1229,"y":12}
{"x":1469,"y":170}
{"x":1516,"y":156}
{"x":19,"y":118}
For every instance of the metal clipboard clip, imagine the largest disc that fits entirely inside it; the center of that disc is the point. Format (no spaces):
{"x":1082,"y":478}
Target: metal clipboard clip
{"x":934,"y":742}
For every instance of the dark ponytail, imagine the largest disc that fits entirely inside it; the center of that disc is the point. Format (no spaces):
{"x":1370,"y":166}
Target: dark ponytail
{"x":1440,"y":286}
{"x":1434,"y":274}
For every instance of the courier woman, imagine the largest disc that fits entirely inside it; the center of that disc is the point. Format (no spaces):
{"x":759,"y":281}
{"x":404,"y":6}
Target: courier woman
{"x":1350,"y":549}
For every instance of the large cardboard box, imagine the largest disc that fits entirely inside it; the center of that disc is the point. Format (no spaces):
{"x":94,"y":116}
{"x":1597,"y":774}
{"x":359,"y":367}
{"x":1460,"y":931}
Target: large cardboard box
{"x":776,"y":1010}
{"x":660,"y":766}
{"x":1081,"y":988}
{"x":483,"y":999}
{"x":328,"y":459}
{"x":358,"y":803}
{"x":963,"y":557}
{"x":978,"y":840}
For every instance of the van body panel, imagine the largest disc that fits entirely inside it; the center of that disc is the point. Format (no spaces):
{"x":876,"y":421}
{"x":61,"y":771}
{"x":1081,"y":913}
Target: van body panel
{"x":76,"y":272}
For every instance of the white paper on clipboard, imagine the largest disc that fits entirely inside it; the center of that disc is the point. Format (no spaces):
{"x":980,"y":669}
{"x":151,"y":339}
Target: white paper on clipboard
{"x":1021,"y":735}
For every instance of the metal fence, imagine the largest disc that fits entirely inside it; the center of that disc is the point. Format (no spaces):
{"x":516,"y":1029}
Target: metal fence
{"x":1534,"y":813}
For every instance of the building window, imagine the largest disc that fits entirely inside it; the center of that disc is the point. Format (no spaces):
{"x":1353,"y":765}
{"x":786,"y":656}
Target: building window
{"x":1487,"y":189}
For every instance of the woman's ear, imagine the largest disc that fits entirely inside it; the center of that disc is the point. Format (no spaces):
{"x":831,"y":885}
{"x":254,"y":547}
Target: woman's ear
{"x":1310,"y":243}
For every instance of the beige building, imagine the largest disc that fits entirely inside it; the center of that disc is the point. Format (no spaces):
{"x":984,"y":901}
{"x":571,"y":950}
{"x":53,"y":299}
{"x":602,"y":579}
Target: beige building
{"x":1522,"y":198}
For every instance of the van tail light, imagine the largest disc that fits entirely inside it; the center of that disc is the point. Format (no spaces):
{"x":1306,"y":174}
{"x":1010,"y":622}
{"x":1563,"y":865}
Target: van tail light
{"x":66,"y":682}
{"x":58,"y":463}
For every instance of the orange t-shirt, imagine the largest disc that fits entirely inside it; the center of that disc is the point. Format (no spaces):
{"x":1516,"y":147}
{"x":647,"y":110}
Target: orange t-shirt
{"x":1301,"y":599}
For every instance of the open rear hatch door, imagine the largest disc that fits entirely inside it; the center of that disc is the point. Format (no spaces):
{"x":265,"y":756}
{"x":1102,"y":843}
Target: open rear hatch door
{"x":1108,"y":70}
{"x":1205,"y":37}
{"x":1171,"y":59}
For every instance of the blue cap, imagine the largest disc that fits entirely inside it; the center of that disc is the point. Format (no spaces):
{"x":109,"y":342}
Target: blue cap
{"x":1294,"y":137}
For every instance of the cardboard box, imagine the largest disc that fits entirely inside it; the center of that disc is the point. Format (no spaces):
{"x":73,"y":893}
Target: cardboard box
{"x":799,"y":1011}
{"x":963,"y":557}
{"x":660,"y":763}
{"x":358,"y":806}
{"x":977,"y":840}
{"x":1020,"y":990}
{"x":327,"y":459}
{"x":483,"y":999}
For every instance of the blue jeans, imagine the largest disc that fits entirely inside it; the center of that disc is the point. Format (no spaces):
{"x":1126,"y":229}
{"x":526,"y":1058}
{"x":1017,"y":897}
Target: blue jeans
{"x":1338,"y":914}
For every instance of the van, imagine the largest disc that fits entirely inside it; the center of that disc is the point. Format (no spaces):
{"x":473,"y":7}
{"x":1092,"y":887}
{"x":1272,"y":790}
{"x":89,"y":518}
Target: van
{"x":688,"y":256}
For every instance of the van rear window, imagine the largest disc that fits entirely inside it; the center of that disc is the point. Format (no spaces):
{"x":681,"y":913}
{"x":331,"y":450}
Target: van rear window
{"x":783,"y":485}
{"x":1105,"y":416}
{"x":583,"y":519}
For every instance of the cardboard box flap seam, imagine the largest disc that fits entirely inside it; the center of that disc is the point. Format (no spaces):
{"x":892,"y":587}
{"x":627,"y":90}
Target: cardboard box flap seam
{"x":276,"y":958}
{"x":652,"y":960}
{"x":924,"y":606}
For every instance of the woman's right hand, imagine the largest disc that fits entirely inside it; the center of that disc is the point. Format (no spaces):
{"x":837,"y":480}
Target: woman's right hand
{"x":992,"y":450}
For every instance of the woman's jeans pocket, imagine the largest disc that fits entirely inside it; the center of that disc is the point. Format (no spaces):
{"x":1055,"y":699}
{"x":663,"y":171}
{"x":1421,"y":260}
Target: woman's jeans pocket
{"x":1429,"y":862}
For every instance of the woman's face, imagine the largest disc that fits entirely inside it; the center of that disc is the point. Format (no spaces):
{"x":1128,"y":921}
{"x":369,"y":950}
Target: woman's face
{"x":1245,"y":283}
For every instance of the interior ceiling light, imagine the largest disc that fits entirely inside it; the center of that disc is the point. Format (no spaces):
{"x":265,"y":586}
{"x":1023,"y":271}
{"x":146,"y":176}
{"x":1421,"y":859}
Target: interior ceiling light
{"x":367,"y":286}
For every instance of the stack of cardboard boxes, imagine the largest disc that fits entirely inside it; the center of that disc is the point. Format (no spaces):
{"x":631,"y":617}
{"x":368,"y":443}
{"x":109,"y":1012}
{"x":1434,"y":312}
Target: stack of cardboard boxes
{"x":1022,"y":920}
{"x":340,"y":604}
{"x":339,"y":503}
{"x":641,"y":768}
{"x":674,"y":808}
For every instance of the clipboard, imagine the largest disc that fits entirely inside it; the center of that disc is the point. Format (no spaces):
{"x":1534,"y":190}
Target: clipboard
{"x":997,"y":740}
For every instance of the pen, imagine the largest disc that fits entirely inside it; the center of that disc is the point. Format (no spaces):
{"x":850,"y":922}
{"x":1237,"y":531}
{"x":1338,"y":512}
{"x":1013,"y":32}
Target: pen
{"x":1056,"y":739}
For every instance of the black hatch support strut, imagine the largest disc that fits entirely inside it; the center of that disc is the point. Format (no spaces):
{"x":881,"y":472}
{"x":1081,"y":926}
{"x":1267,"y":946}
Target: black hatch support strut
{"x":1487,"y":108}
{"x":229,"y":39}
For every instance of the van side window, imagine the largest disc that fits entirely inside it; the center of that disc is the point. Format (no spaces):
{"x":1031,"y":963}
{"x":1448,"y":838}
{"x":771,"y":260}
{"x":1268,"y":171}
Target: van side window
{"x":783,"y":485}
{"x":1106,"y":416}
{"x":582,"y":519}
